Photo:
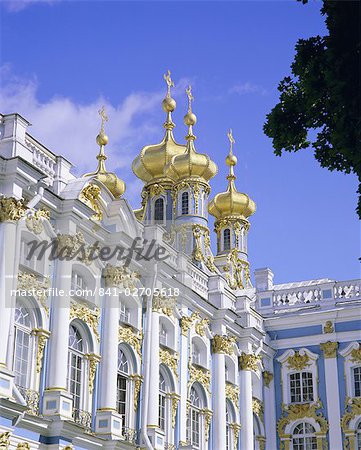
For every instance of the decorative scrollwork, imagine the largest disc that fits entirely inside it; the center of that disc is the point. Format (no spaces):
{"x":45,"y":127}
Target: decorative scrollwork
{"x":11,"y":209}
{"x":5,"y":440}
{"x":356,"y":354}
{"x":232,"y":392}
{"x":169,"y":359}
{"x":223,"y":344}
{"x":30,"y":282}
{"x":329,"y":349}
{"x":257,"y":408}
{"x":203,"y":376}
{"x":120,"y":276}
{"x":42,"y":336}
{"x":93,"y":361}
{"x":87,"y":315}
{"x":297,"y":361}
{"x":248,"y":361}
{"x":90,"y":195}
{"x":267,"y":378}
{"x":138,"y":379}
{"x":126,"y":334}
{"x":34,"y":220}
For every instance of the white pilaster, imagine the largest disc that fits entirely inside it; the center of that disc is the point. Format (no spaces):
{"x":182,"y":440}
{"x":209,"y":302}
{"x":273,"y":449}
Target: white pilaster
{"x":246,"y":411}
{"x":332,"y":389}
{"x":182,"y":411}
{"x":153,"y":410}
{"x":269,"y":410}
{"x":219,"y":401}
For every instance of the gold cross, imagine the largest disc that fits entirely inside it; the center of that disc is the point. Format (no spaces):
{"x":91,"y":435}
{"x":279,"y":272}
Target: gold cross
{"x":190,"y":97}
{"x":104,"y":118}
{"x":169,"y":81}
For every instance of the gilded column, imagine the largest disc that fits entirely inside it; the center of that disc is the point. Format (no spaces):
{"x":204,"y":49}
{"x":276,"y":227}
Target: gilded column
{"x":220,"y":346}
{"x":247,"y":364}
{"x":332,"y":386}
{"x":11,"y":211}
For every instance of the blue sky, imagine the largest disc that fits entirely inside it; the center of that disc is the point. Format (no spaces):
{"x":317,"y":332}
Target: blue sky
{"x":60,"y":60}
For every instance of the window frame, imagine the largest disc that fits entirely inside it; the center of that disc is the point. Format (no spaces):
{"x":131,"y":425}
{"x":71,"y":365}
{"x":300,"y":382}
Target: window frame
{"x":301,"y":387}
{"x":155,"y":202}
{"x":184,"y":203}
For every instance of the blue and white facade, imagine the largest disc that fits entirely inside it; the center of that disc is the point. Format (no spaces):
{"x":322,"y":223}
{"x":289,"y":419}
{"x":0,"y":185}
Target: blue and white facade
{"x":159,"y":354}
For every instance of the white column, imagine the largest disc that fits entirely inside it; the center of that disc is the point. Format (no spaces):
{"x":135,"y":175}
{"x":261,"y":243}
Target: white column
{"x":59,"y":327}
{"x":153,"y":409}
{"x":8,"y":281}
{"x":332,"y":389}
{"x":269,"y":410}
{"x":246,"y":411}
{"x":219,"y":398}
{"x":182,"y":411}
{"x":109,"y":361}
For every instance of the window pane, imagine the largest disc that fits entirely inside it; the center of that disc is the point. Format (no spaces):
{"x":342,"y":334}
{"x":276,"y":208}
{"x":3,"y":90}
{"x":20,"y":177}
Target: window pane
{"x":159,"y":209}
{"x":185,"y":203}
{"x":357,"y":381}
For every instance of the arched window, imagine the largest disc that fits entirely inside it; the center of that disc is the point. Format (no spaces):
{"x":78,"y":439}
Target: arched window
{"x":123,"y":387}
{"x":301,"y":387}
{"x":194,"y":420}
{"x":196,"y":354}
{"x":226,"y":239}
{"x":357,"y":381}
{"x":75,"y":368}
{"x":304,"y":437}
{"x":162,"y":400}
{"x":23,"y":346}
{"x":159,"y":210}
{"x":185,"y":203}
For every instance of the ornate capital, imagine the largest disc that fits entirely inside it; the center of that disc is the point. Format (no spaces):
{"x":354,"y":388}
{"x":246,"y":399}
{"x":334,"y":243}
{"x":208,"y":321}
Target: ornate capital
{"x":126,"y":334}
{"x":187,"y":322}
{"x":223,"y":344}
{"x":298,"y":362}
{"x":11,"y":209}
{"x":248,"y":361}
{"x":267,"y":378}
{"x":207,"y":417}
{"x":120,"y":277}
{"x":87,"y":315}
{"x":329,"y":349}
{"x":201,"y":327}
{"x":34,"y":220}
{"x":163,"y":304}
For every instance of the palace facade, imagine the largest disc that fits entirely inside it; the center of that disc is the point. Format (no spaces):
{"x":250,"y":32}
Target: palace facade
{"x":171,"y":347}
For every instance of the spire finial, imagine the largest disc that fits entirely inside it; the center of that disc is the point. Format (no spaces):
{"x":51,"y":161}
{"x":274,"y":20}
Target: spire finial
{"x":190,"y":98}
{"x":102,"y":140}
{"x":190,"y":118}
{"x":104,"y":118}
{"x":169,"y":81}
{"x":231,"y":141}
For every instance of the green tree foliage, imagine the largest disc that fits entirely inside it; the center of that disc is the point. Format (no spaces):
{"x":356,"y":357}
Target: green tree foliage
{"x":320,"y":102}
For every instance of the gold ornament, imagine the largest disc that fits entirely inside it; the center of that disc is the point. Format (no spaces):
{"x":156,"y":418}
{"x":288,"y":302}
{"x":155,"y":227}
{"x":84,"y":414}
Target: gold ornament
{"x":223,"y":344}
{"x":248,"y":361}
{"x":155,"y":190}
{"x":237,"y":271}
{"x":232,"y":392}
{"x":328,"y":328}
{"x":163,"y":304}
{"x":93,"y":361}
{"x":235,"y":427}
{"x":30,"y":282}
{"x":126,"y":334}
{"x":188,"y":321}
{"x":203,"y":376}
{"x":329,"y":349}
{"x":297,"y":361}
{"x":169,"y":359}
{"x":356,"y":355}
{"x":11,"y":209}
{"x":301,"y":411}
{"x":175,"y":399}
{"x":207,"y":418}
{"x":352,"y":410}
{"x":34,"y":220}
{"x":87,"y":315}
{"x":138,"y":379}
{"x":90,"y":195}
{"x":201,"y":326}
{"x":267,"y":378}
{"x":42,"y":336}
{"x":5,"y":440}
{"x":257,"y":408}
{"x":23,"y":446}
{"x":120,"y":277}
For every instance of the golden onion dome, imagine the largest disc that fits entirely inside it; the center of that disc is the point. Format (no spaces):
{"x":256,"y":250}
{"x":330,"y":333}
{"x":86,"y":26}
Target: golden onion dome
{"x":110,"y":180}
{"x":150,"y":163}
{"x":191,"y":164}
{"x":231,"y":203}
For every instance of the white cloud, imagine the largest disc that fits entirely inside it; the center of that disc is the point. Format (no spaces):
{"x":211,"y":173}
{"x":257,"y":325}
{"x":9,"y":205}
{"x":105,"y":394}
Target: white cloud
{"x":19,"y":5}
{"x":247,"y":88}
{"x":69,"y":128}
